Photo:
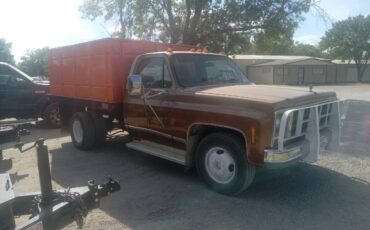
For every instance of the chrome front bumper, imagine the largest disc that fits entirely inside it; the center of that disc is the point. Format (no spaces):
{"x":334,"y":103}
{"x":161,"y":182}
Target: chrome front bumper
{"x":275,"y":156}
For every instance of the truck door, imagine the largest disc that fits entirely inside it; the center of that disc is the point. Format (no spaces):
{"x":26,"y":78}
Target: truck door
{"x":4,"y":107}
{"x":147,"y":116}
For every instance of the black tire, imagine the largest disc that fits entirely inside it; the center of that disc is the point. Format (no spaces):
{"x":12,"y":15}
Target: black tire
{"x":242,"y":172}
{"x":86,"y":139}
{"x":100,"y":130}
{"x":51,"y":115}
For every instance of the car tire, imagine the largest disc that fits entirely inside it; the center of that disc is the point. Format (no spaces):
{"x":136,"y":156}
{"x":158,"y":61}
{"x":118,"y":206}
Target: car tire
{"x":222,"y":163}
{"x":100,"y":131}
{"x":82,"y":131}
{"x":51,"y":115}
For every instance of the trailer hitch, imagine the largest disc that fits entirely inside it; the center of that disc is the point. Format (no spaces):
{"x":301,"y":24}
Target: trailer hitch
{"x":51,"y":209}
{"x":9,"y":133}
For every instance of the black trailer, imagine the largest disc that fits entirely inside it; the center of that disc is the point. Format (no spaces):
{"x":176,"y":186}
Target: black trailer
{"x":49,"y":209}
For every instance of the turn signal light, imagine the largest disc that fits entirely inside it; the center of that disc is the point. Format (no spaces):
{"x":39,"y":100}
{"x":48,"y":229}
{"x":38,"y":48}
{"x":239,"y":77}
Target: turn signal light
{"x":39,"y":92}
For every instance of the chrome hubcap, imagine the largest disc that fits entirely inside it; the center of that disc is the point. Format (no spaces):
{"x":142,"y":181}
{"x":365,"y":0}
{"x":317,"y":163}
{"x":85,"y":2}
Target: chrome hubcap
{"x":77,"y":131}
{"x":220,"y":165}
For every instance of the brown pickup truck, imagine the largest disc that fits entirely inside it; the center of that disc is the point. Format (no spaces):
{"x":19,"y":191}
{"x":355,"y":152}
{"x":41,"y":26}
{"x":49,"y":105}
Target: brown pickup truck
{"x":189,"y":107}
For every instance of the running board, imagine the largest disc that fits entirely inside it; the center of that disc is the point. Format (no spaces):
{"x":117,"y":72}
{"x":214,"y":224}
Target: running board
{"x":158,"y":150}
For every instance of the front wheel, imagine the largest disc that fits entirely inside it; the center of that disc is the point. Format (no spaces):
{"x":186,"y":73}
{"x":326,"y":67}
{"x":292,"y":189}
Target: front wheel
{"x":222,"y":163}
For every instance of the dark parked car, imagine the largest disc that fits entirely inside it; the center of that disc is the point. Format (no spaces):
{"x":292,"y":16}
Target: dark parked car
{"x":23,"y":97}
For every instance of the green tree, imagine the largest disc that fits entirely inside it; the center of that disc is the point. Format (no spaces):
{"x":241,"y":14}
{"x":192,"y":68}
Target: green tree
{"x":35,"y":62}
{"x":279,"y":44}
{"x":350,"y":40}
{"x":306,"y":50}
{"x":218,"y":24}
{"x":120,"y":11}
{"x":5,"y":52}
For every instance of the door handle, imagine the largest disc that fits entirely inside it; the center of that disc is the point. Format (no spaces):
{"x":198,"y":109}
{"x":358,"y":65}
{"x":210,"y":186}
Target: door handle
{"x":153,"y":93}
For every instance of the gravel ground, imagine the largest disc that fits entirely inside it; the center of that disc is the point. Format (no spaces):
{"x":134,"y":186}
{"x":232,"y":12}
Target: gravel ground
{"x":334,"y":193}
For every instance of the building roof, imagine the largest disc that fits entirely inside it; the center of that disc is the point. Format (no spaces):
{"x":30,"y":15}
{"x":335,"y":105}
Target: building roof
{"x":268,"y":57}
{"x":270,"y":60}
{"x":343,"y":62}
{"x":282,"y":62}
{"x":298,"y":61}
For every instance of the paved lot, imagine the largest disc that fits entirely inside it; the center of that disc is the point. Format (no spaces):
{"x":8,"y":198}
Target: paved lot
{"x":331,"y":194}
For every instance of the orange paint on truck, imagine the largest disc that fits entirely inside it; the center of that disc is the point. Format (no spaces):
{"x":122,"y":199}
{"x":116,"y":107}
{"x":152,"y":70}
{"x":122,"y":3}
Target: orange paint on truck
{"x":98,"y":70}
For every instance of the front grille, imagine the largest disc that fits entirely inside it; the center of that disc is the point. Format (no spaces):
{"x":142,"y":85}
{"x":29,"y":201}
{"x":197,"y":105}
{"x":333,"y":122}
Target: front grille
{"x":296,"y":123}
{"x":325,"y":111}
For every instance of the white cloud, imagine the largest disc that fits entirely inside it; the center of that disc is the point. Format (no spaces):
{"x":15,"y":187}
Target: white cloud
{"x":311,"y":39}
{"x":313,"y":28}
{"x":342,"y":9}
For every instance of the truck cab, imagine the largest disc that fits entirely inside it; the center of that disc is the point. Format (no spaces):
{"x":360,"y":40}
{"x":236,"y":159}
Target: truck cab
{"x":199,"y":109}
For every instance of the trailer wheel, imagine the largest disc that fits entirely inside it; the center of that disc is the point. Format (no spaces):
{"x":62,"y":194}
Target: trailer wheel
{"x":82,"y":131}
{"x":100,"y":130}
{"x":222,"y":164}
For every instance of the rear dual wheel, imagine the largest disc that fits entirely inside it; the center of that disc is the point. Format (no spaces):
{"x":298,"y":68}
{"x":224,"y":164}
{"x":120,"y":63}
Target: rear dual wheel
{"x":82,"y":131}
{"x":87,"y":132}
{"x":222,"y":163}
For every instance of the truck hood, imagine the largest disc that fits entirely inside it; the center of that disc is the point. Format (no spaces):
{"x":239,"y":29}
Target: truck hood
{"x":279,"y":97}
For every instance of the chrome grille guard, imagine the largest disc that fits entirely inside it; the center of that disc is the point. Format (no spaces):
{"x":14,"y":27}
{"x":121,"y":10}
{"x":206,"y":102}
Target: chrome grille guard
{"x":308,"y":122}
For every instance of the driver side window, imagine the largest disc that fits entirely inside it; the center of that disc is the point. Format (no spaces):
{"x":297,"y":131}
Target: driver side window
{"x":154,"y":73}
{"x":16,"y":81}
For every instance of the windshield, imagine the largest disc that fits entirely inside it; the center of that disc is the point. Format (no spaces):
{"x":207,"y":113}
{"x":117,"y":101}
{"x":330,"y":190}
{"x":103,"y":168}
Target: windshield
{"x":198,"y":70}
{"x":18,"y":72}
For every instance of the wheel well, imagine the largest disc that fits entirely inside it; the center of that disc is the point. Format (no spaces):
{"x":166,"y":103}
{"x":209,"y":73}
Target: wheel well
{"x":198,"y":131}
{"x":66,"y":112}
{"x":45,"y":106}
{"x":41,"y":108}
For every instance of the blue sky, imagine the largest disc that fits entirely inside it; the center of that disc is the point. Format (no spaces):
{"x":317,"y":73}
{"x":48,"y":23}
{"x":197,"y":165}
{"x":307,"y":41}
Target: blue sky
{"x":313,"y":28}
{"x":32,"y":24}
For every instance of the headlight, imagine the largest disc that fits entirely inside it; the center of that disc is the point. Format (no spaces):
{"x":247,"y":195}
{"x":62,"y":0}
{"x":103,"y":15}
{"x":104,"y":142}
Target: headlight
{"x":289,"y":126}
{"x":278,"y":116}
{"x":291,"y":123}
{"x":275,"y":134}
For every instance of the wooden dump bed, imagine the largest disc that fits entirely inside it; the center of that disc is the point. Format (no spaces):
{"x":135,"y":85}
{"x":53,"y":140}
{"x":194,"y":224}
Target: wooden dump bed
{"x":98,"y":70}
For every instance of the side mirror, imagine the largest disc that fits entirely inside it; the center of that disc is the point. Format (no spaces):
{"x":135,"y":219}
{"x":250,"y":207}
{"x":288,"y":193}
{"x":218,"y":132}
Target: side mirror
{"x":134,"y":85}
